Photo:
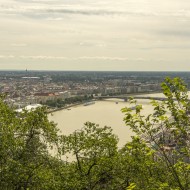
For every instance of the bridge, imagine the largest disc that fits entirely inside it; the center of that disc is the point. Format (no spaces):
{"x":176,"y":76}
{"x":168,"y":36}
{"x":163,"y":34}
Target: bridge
{"x":126,"y":97}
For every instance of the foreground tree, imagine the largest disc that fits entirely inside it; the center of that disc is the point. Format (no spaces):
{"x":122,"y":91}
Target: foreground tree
{"x":167,"y":132}
{"x":94,"y":151}
{"x":25,"y":141}
{"x":32,"y":154}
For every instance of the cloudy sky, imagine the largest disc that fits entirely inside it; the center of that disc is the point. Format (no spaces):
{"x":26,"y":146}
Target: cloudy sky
{"x":128,"y":35}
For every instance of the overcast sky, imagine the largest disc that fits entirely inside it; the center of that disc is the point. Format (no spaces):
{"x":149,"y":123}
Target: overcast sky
{"x":128,"y":35}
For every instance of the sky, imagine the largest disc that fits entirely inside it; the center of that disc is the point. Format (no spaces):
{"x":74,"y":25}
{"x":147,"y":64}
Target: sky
{"x":101,"y":35}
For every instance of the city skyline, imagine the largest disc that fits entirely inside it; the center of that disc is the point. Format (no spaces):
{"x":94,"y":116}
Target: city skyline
{"x":128,"y":35}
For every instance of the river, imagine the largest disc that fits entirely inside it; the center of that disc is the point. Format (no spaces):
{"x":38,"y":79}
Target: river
{"x":106,"y":112}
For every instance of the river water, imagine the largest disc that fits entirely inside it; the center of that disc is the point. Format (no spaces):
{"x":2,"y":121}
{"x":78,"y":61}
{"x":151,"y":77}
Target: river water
{"x":106,"y":112}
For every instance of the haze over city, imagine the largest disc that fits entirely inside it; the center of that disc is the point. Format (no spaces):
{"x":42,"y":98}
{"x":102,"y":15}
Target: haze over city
{"x":128,"y":35}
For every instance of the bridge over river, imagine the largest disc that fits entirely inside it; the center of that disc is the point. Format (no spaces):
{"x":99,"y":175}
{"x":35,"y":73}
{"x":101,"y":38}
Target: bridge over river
{"x":126,"y":97}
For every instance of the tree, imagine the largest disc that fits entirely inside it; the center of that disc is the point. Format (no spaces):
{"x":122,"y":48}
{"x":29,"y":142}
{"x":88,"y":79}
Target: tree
{"x":25,"y":141}
{"x":158,"y":157}
{"x":93,"y":151}
{"x":166,"y":131}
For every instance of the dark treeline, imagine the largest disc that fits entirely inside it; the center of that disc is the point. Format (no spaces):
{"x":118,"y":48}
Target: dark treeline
{"x":59,"y":103}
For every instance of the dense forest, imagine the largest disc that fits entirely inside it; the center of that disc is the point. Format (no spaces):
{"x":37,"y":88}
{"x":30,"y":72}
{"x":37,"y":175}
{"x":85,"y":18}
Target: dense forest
{"x":34,"y":155}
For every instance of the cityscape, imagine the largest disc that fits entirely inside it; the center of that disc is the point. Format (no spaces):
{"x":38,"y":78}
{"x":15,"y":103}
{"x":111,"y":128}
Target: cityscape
{"x":94,"y":95}
{"x":23,"y":88}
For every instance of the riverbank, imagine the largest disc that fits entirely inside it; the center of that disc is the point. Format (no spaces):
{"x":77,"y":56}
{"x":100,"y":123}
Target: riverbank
{"x":103,"y":113}
{"x":65,"y":107}
{"x":99,"y":99}
{"x":79,"y":104}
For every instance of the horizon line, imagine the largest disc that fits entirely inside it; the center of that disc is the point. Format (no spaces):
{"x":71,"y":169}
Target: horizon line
{"x":37,"y":70}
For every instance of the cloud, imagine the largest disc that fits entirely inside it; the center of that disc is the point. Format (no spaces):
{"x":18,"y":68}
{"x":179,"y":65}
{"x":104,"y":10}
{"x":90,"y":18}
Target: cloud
{"x":83,"y":11}
{"x":124,"y":8}
{"x":104,"y":58}
{"x":18,"y":45}
{"x":92,"y":44}
{"x":175,"y":32}
{"x":89,"y":32}
{"x":95,"y":58}
{"x":42,"y":57}
{"x":46,"y":10}
{"x":54,"y":19}
{"x":7,"y":56}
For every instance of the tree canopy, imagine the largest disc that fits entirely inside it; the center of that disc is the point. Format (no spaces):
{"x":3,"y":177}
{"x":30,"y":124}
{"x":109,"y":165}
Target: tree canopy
{"x":33,"y":154}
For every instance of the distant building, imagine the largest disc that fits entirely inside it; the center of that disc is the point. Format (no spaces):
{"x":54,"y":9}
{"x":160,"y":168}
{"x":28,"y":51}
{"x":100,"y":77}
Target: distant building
{"x":43,"y":97}
{"x":29,"y":107}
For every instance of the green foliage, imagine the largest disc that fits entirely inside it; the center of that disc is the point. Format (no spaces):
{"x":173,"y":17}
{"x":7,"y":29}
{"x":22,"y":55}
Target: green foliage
{"x":25,"y":141}
{"x":33,"y":156}
{"x":167,"y":132}
{"x":94,"y":150}
{"x":59,"y":103}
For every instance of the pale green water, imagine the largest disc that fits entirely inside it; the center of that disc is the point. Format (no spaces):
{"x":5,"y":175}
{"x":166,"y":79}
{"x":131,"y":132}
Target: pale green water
{"x":102,"y":112}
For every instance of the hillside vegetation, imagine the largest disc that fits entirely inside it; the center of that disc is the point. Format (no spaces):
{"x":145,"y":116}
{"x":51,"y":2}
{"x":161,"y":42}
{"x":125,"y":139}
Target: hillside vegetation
{"x":33,"y":156}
